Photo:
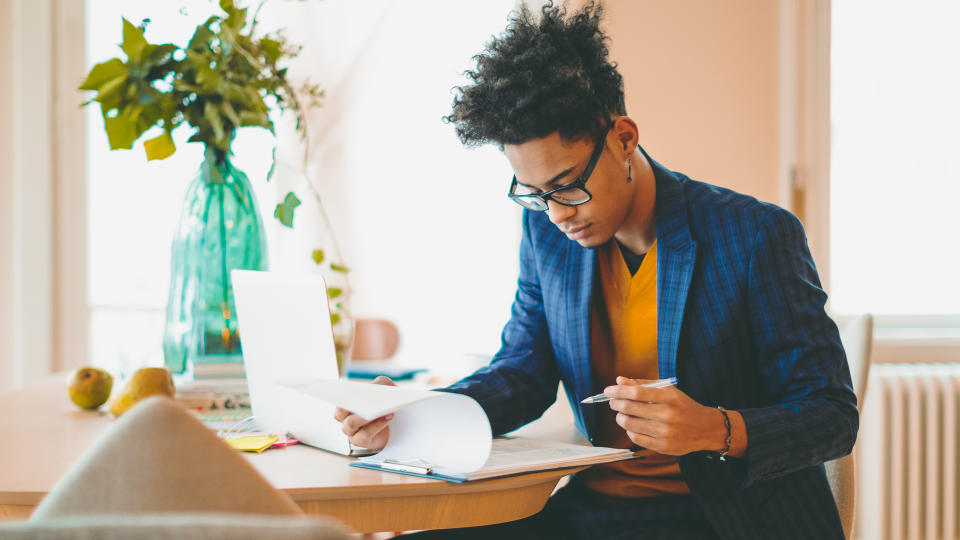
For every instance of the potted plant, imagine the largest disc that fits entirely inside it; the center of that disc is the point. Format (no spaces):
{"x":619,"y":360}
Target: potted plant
{"x":226,"y":78}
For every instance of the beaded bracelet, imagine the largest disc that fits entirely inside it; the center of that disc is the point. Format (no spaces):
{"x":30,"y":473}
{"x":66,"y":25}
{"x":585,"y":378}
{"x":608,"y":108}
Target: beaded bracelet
{"x":729,"y":441}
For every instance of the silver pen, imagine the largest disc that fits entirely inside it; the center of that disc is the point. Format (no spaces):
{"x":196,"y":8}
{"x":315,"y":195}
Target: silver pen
{"x":602,"y":398}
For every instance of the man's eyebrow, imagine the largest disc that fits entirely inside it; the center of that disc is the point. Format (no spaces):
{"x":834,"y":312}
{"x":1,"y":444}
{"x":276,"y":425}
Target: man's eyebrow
{"x":553,"y":180}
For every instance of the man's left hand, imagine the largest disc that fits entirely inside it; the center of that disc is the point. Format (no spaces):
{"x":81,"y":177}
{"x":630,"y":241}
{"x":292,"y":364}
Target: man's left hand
{"x":665,"y":420}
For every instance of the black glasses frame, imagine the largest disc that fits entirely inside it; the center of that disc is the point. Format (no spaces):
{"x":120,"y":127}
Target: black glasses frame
{"x":579,"y":183}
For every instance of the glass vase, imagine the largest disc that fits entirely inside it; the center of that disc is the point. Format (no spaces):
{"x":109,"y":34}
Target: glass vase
{"x":220,"y":229}
{"x":344,"y":334}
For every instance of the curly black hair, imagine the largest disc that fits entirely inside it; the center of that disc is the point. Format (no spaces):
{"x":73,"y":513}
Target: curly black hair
{"x":541,"y":76}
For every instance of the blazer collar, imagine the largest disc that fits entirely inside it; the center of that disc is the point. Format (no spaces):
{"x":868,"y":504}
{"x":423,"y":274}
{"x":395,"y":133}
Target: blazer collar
{"x":670,"y":210}
{"x":676,"y":257}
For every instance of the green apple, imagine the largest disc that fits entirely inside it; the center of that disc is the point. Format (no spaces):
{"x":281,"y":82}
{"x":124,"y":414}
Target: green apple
{"x":89,"y":387}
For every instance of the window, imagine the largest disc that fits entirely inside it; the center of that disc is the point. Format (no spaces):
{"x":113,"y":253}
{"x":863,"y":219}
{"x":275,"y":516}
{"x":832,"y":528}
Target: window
{"x":894,"y":173}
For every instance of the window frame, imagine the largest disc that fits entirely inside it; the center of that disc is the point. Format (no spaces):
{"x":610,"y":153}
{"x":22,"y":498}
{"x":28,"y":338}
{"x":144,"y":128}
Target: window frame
{"x":45,"y":183}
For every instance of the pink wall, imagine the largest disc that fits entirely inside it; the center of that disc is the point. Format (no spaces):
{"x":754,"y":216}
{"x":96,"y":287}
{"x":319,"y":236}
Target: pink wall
{"x":702,"y":81}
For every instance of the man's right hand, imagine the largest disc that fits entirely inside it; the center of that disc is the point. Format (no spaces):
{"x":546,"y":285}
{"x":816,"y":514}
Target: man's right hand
{"x":372,"y":434}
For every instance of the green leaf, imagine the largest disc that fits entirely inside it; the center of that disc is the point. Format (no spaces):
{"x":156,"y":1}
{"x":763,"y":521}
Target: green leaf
{"x":208,"y":78}
{"x":203,"y":35}
{"x":334,"y":318}
{"x":284,"y":211}
{"x":339,"y":268}
{"x":236,"y":19}
{"x":133,"y":41}
{"x":109,"y":95}
{"x":159,"y":54}
{"x":317,"y":256}
{"x":160,"y":147}
{"x":334,"y":292}
{"x":248,"y":118}
{"x":271,"y":49}
{"x":103,"y":73}
{"x":121,"y":131}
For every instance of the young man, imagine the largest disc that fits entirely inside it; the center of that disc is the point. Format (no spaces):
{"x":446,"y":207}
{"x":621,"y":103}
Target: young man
{"x":630,"y":272}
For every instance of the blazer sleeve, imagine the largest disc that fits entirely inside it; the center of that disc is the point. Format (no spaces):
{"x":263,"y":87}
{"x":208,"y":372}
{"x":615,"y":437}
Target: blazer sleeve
{"x":521,"y":380}
{"x":800,"y":356}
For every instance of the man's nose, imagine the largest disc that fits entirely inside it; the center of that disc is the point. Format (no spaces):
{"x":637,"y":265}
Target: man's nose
{"x":558,"y":213}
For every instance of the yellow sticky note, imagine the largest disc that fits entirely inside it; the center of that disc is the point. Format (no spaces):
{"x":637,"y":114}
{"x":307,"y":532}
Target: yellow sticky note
{"x":253,"y":444}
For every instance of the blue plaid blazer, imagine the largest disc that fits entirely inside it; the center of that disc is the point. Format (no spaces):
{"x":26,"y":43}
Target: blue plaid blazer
{"x":740,"y":322}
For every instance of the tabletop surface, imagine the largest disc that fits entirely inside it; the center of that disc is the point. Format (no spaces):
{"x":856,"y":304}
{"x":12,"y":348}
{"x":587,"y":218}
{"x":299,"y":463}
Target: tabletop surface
{"x":46,"y":434}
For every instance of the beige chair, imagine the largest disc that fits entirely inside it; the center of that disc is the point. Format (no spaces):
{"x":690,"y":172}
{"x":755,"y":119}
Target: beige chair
{"x":160,"y":473}
{"x":374,"y":339}
{"x":857,"y":338}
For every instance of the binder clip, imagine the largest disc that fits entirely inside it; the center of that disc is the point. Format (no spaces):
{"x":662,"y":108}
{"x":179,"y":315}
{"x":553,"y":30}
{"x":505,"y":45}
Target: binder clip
{"x":415,"y":466}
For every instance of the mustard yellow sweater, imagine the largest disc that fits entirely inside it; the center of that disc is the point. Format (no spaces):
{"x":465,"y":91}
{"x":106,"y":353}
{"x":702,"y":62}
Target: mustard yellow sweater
{"x":624,"y":342}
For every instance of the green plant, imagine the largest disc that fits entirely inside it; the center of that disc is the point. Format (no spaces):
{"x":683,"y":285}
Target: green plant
{"x":224,"y":79}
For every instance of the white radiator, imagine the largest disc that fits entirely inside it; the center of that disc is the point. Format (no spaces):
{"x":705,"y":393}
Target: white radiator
{"x":907,"y":454}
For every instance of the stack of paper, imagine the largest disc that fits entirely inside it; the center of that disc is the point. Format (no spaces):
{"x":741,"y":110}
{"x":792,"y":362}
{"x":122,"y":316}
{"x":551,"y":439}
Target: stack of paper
{"x":447,"y":436}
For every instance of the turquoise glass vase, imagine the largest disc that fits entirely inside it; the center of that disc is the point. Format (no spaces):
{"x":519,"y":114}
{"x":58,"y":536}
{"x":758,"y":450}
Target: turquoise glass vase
{"x":220,"y":229}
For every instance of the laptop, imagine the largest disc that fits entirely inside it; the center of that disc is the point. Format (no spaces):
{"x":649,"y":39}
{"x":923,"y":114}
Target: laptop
{"x":286,"y":334}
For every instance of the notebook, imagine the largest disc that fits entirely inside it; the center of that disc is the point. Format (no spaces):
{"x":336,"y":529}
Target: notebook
{"x":286,"y":333}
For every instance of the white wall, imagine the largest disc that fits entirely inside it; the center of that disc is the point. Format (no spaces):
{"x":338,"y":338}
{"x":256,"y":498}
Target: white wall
{"x":6,"y":195}
{"x":425,"y":224}
{"x":702,"y":82}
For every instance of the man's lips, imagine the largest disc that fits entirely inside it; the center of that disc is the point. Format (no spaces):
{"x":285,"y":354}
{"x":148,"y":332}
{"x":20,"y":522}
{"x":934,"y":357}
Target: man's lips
{"x":577,"y":233}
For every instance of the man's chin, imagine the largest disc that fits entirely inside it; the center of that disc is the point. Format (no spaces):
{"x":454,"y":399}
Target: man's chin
{"x":590,"y":242}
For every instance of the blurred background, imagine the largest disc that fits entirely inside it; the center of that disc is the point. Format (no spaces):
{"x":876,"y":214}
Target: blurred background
{"x":843,"y":111}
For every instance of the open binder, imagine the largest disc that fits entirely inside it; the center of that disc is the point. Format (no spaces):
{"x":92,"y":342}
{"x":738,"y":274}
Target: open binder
{"x":447,"y":436}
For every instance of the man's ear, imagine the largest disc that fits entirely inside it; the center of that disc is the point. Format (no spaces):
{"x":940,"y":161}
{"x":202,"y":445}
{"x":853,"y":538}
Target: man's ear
{"x":627,"y":133}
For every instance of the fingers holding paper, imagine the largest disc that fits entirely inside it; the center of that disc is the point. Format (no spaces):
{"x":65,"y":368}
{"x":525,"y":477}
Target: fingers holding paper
{"x":368,"y":434}
{"x":372,"y":434}
{"x":665,"y":420}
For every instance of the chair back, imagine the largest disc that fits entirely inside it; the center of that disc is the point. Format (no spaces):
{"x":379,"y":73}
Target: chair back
{"x":857,"y":338}
{"x":159,"y":458}
{"x":175,"y":526}
{"x":374,"y":339}
{"x":159,"y":473}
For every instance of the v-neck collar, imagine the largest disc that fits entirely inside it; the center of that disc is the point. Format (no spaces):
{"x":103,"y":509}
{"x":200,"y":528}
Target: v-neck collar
{"x":630,"y":287}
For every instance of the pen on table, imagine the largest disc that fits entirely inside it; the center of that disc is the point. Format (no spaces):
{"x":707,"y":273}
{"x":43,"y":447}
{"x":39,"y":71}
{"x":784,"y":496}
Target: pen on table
{"x":601,"y":398}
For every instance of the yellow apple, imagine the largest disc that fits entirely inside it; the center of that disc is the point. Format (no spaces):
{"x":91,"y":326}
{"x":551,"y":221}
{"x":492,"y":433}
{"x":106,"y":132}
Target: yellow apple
{"x":143,"y":383}
{"x":89,"y":387}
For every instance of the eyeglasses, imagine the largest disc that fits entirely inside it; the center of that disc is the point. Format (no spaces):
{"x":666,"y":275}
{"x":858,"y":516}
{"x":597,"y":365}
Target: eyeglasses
{"x":572,"y":194}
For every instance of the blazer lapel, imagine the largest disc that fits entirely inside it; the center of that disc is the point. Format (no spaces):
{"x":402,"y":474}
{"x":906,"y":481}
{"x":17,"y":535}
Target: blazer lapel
{"x":578,"y":291}
{"x":676,"y":256}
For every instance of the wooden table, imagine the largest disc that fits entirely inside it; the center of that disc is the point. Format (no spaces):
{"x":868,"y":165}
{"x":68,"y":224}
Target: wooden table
{"x":44,"y":434}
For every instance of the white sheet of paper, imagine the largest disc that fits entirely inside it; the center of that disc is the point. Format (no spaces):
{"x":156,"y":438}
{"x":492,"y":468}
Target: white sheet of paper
{"x":449,"y":431}
{"x":521,"y":454}
{"x":368,"y":400}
